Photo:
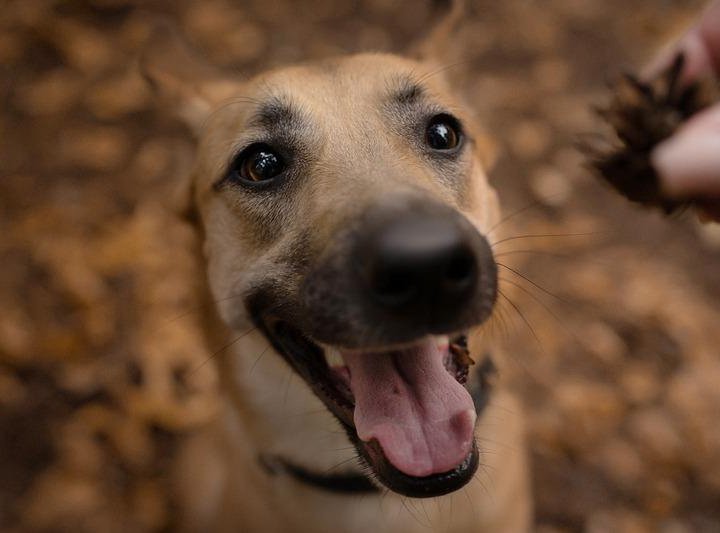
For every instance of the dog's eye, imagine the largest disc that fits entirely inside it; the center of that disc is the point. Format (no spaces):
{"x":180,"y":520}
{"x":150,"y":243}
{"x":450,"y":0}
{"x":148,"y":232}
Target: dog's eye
{"x":443,"y":133}
{"x":258,"y":163}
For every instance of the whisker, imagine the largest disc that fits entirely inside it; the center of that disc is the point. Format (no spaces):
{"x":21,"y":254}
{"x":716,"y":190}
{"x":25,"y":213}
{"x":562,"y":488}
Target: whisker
{"x":559,"y":255}
{"x":501,"y":320}
{"x":225,"y":347}
{"x":522,"y":316}
{"x":413,"y":504}
{"x":535,"y":337}
{"x":550,"y":235}
{"x":518,"y":361}
{"x":494,"y":327}
{"x":505,"y":445}
{"x":534,"y":284}
{"x":403,"y":499}
{"x":529,"y":251}
{"x":528,"y":207}
{"x":193,"y":309}
{"x":545,"y":307}
{"x":442,"y":69}
{"x":258,"y":359}
{"x":483,"y":467}
{"x":341,"y":463}
{"x":235,"y":100}
{"x":471,"y":503}
{"x":424,"y":510}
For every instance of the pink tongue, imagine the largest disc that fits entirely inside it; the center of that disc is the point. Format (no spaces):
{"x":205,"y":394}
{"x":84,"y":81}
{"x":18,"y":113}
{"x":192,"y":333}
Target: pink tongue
{"x":421,"y":416}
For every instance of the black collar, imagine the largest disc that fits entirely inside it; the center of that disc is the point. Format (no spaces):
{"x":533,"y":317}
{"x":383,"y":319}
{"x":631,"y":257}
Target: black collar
{"x":356,"y":482}
{"x":347,"y":483}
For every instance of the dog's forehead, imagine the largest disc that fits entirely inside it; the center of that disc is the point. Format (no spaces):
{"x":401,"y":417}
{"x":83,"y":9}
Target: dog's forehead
{"x":349,"y":80}
{"x":346,"y":91}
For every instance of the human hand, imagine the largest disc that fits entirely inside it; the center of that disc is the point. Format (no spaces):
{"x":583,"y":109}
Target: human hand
{"x":688,"y":163}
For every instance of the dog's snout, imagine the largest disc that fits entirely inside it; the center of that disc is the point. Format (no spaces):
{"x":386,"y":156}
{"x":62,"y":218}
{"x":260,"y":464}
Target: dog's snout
{"x":420,"y":263}
{"x":404,"y":268}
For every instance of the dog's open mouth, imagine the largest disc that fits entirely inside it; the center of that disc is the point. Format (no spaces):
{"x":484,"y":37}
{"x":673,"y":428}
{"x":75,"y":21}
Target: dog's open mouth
{"x":405,"y":408}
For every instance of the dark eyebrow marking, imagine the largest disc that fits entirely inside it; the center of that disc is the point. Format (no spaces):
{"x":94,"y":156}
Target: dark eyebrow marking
{"x":407,"y":92}
{"x":276,"y":114}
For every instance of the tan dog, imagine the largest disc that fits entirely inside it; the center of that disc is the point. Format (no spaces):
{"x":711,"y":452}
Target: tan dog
{"x":343,"y":207}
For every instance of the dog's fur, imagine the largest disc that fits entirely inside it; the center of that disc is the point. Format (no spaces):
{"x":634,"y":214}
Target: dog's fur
{"x":359,"y":158}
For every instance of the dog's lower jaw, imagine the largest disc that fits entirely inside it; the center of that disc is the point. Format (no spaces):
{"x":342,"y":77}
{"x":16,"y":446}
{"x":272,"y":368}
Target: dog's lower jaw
{"x":451,"y":433}
{"x":355,"y":481}
{"x":223,"y":487}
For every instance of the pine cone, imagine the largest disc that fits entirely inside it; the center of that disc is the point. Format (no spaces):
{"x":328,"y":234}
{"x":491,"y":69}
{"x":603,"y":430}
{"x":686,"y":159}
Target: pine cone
{"x":642,"y":115}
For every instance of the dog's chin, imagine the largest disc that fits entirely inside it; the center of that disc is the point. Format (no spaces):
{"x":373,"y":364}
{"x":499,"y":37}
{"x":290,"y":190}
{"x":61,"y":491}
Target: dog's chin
{"x":435,"y":456}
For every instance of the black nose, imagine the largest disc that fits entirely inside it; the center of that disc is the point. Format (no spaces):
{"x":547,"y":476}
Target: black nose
{"x":420,"y":264}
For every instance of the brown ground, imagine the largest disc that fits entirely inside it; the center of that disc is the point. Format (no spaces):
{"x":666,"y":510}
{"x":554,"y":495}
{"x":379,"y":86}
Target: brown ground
{"x":99,"y":352}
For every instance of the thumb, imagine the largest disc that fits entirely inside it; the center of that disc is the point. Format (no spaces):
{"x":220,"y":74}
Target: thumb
{"x":688,"y":164}
{"x":700,"y":45}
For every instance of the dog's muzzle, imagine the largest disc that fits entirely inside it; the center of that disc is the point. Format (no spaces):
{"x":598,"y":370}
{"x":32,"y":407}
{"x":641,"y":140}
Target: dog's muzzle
{"x":392,"y":297}
{"x":399,"y":273}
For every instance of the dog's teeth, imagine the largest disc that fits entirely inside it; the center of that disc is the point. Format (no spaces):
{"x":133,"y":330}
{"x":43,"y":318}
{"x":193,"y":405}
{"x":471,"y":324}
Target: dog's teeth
{"x":333,"y":357}
{"x":443,"y":341}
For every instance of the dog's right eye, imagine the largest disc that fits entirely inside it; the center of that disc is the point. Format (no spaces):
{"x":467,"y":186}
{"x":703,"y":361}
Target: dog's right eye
{"x":256,"y":164}
{"x":443,"y":133}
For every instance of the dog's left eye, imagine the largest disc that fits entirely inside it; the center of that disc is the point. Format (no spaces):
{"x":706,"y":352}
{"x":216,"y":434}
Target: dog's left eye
{"x":443,"y":132}
{"x":257,"y":163}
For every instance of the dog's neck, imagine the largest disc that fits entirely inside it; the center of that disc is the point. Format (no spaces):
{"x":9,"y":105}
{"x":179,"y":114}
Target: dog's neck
{"x":342,"y":483}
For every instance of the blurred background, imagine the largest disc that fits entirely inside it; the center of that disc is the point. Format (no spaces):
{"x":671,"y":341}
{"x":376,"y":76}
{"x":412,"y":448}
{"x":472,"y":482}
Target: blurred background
{"x":102,"y":369}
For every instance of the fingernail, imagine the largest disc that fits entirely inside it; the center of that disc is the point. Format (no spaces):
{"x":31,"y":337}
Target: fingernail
{"x":689,"y":165}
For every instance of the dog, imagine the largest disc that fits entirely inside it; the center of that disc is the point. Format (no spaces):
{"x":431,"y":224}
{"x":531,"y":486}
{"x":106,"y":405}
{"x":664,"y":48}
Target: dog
{"x":343,"y":208}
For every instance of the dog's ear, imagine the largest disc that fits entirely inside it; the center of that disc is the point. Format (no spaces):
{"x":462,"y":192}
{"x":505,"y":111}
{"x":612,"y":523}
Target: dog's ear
{"x":181,"y":78}
{"x":436,"y":49}
{"x":189,"y":86}
{"x":434,"y":46}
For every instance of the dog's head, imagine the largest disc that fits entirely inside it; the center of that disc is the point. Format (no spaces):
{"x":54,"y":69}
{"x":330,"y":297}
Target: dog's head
{"x":343,"y":206}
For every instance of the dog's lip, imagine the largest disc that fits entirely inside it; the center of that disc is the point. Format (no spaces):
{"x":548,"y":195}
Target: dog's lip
{"x":308,"y":359}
